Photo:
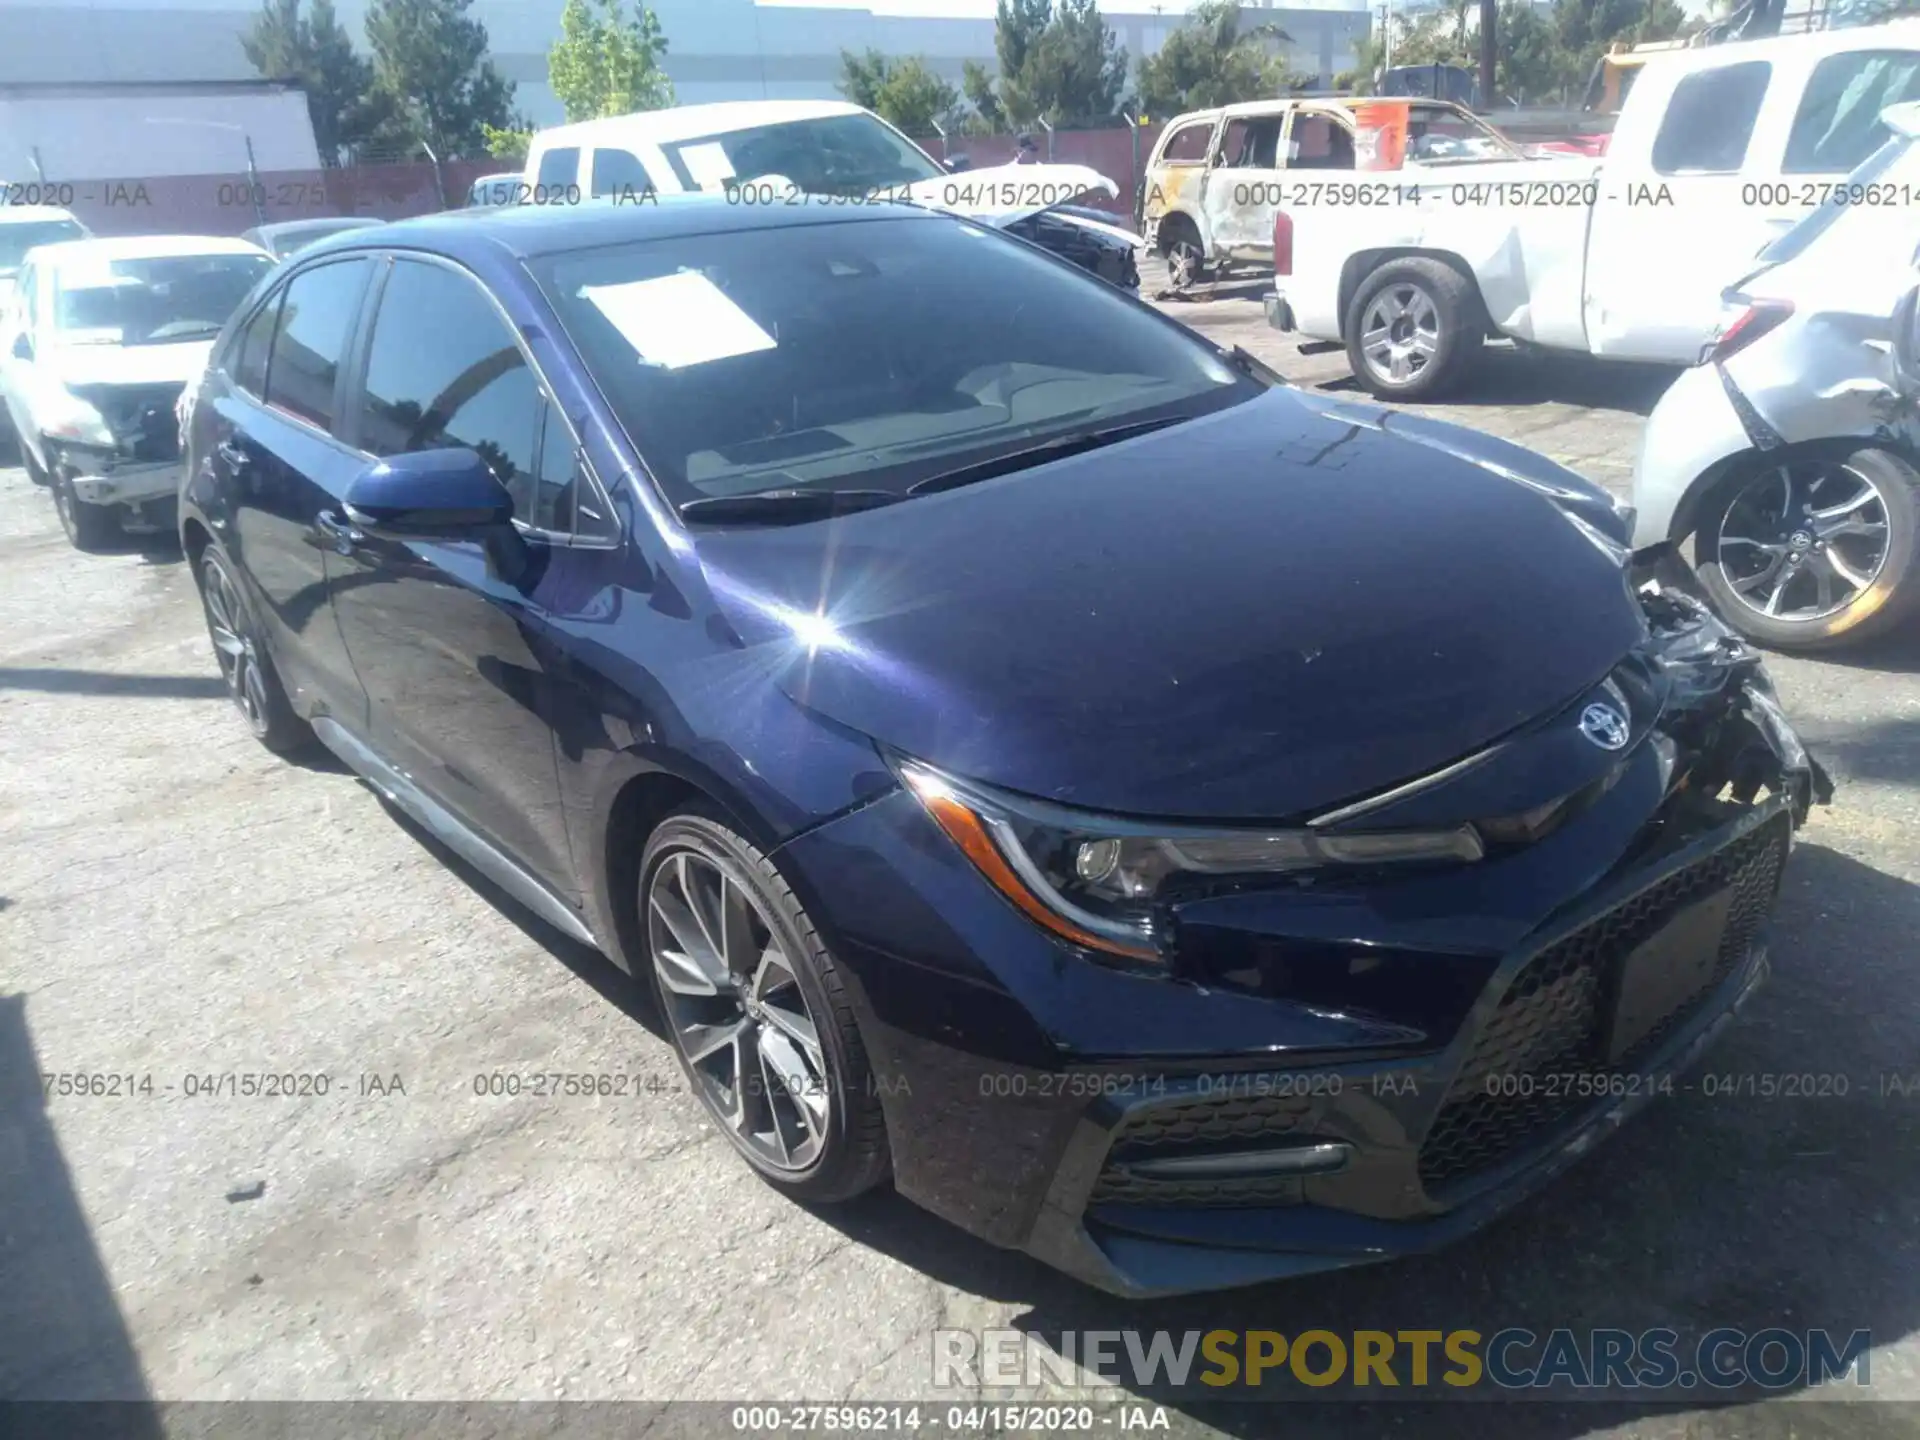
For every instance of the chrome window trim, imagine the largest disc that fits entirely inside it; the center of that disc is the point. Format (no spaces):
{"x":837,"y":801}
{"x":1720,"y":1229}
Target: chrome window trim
{"x":564,"y":540}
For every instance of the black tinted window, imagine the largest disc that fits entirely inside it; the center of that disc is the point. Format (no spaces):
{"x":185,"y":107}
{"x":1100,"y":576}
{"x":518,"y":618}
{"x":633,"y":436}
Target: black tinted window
{"x":444,"y":371}
{"x":1838,"y":123}
{"x":1710,"y":119}
{"x":560,"y":167}
{"x":728,"y":359}
{"x":316,"y":316}
{"x":251,"y":346}
{"x":619,"y":172}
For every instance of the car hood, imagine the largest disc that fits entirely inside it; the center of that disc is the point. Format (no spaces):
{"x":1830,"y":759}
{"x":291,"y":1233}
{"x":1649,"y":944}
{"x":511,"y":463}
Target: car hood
{"x":1007,"y":193}
{"x":1273,"y":609}
{"x":128,"y":364}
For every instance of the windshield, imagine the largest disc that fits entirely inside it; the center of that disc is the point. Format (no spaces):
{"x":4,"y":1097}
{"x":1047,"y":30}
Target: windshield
{"x":1845,"y":197}
{"x":798,"y":357}
{"x":1437,"y":134}
{"x":830,"y":155}
{"x":151,"y":300}
{"x":17,"y":239}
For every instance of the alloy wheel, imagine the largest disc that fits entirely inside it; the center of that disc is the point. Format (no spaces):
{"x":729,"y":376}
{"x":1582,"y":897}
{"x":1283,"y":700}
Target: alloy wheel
{"x":740,"y":1018}
{"x":1400,"y":333}
{"x":1803,"y":541}
{"x":1186,"y":265}
{"x":233,"y":648}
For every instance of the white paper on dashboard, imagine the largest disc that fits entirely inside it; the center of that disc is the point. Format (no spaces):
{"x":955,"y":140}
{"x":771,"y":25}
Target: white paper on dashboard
{"x":678,"y":320}
{"x":708,"y":165}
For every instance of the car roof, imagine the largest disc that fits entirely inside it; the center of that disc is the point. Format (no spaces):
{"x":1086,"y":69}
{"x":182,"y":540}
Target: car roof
{"x":24,"y":214}
{"x":140,"y":247}
{"x":1308,"y":102}
{"x":525,"y":231}
{"x":288,"y":227}
{"x":687,"y":122}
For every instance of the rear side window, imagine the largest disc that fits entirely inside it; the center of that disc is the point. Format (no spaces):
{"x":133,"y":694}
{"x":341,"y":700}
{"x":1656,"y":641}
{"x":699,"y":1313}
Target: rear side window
{"x":1319,"y":142}
{"x":251,"y":348}
{"x":1838,"y":123}
{"x":1189,"y":143}
{"x":316,"y":317}
{"x":444,"y":371}
{"x":1710,"y":119}
{"x":559,"y":168}
{"x":619,"y":172}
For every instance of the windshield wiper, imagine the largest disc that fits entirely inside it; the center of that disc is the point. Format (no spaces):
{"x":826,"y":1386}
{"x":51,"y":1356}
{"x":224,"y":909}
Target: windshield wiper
{"x":1060,"y":446}
{"x":786,"y":507}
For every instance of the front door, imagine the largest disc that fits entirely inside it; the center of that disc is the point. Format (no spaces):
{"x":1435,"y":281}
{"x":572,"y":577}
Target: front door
{"x":277,"y":463}
{"x":446,"y":642}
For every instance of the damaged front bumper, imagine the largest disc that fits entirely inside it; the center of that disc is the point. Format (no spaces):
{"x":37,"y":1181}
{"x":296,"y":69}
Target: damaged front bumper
{"x":1341,"y":1072}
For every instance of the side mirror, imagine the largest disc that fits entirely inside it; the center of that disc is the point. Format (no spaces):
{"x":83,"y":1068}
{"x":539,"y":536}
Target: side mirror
{"x":430,"y":495}
{"x":954,"y":164}
{"x":23,"y":346}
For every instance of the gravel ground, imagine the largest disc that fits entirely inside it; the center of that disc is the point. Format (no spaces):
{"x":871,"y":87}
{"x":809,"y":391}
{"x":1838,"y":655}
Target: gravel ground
{"x":176,"y":903}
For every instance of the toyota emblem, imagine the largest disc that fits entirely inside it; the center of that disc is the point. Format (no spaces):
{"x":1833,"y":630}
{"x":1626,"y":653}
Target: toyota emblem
{"x":1604,"y":726}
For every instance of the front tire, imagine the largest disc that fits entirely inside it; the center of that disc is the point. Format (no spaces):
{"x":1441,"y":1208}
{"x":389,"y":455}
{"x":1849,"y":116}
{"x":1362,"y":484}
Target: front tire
{"x":758,"y":1011}
{"x":89,"y":527}
{"x":1815,"y":553}
{"x":1413,"y":329}
{"x":251,"y":680}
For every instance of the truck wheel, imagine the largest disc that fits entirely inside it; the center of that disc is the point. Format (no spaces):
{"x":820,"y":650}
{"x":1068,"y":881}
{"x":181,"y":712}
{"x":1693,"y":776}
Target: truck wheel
{"x":1186,"y":257}
{"x":1817,"y":553}
{"x":88,"y":527}
{"x":1413,"y":329}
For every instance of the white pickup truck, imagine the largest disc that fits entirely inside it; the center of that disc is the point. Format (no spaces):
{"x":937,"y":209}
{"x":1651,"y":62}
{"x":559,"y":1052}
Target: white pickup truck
{"x":1623,"y":257}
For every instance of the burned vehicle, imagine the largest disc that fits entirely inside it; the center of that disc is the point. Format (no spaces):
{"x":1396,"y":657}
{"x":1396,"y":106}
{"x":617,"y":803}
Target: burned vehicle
{"x":1064,"y":771}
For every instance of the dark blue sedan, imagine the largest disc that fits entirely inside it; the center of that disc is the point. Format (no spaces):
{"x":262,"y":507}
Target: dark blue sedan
{"x":1187,"y":828}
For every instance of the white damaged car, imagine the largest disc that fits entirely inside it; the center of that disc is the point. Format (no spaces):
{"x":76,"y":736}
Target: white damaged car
{"x":97,"y":346}
{"x":821,"y":152}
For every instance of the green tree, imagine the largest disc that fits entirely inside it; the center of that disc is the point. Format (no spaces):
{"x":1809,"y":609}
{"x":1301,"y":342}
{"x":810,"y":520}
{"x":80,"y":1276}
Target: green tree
{"x":977,"y":82}
{"x":608,"y":63}
{"x":1058,"y":62}
{"x":430,"y":64}
{"x":1211,"y":61}
{"x":313,"y":48}
{"x":1662,"y":20}
{"x":1530,"y":65}
{"x":507,"y":142}
{"x":904,"y":92}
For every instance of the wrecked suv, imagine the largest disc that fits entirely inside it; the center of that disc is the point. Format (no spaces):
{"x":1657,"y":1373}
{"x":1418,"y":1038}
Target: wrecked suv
{"x":1184,"y":827}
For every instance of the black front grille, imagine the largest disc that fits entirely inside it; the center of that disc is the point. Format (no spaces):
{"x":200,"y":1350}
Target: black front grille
{"x":1224,"y":1121}
{"x":1551,"y":1020}
{"x":140,"y":416}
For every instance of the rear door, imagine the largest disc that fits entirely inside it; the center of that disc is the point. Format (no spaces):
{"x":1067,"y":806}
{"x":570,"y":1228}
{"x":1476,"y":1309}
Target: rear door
{"x":447,"y":646}
{"x":16,"y":371}
{"x":277,"y":463}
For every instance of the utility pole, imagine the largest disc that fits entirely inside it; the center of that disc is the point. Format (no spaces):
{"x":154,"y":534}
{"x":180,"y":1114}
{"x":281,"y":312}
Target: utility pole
{"x":1489,"y":19}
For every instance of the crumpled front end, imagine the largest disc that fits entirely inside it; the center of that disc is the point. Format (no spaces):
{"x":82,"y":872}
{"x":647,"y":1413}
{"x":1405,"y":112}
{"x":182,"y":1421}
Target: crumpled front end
{"x":1643,"y":893}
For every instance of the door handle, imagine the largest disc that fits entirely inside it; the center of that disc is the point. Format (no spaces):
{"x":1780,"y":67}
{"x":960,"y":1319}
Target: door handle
{"x":236,"y":458}
{"x":342,"y":534}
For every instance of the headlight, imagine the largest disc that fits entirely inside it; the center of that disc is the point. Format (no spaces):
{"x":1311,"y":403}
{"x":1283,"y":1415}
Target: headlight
{"x":65,"y":416}
{"x":1102,"y":883}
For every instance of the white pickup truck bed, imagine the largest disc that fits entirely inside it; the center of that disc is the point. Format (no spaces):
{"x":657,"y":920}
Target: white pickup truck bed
{"x":1624,"y":257}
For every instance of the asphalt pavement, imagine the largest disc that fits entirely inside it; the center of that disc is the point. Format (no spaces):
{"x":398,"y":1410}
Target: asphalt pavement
{"x":181,"y":908}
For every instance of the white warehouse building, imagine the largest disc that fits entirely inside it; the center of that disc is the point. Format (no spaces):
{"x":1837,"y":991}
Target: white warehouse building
{"x":718,"y":49}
